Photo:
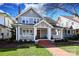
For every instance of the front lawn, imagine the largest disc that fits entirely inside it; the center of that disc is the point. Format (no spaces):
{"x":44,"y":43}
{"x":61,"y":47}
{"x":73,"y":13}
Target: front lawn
{"x":70,"y":47}
{"x":24,"y":50}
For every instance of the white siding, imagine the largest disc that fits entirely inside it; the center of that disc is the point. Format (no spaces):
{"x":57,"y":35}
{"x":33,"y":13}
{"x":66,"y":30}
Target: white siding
{"x":63,"y":23}
{"x":1,"y":20}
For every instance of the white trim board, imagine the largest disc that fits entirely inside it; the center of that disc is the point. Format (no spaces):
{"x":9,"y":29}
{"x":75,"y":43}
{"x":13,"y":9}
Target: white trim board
{"x":45,"y":22}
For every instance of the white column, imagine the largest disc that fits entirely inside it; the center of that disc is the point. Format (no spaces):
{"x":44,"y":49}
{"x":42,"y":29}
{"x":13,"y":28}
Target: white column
{"x":35,"y":32}
{"x":3,"y":31}
{"x":57,"y":32}
{"x":49,"y":33}
{"x":71,"y":32}
{"x":18,"y":33}
{"x":67,"y":31}
{"x":61,"y":30}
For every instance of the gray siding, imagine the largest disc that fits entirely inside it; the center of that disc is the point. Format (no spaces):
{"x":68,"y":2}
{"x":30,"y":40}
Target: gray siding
{"x":31,"y":13}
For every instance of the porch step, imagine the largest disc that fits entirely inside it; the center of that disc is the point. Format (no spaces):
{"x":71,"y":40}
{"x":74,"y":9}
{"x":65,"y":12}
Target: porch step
{"x":44,"y":43}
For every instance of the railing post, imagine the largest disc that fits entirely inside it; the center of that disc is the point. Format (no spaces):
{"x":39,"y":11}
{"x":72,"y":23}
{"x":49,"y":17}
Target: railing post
{"x":35,"y":33}
{"x":49,"y":33}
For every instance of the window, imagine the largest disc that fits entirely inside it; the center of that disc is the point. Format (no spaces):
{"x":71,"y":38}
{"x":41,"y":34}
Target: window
{"x":23,"y":31}
{"x":65,"y":31}
{"x":68,"y":31}
{"x":23,"y":21}
{"x":31,"y":20}
{"x":76,"y":30}
{"x":72,"y":23}
{"x":35,"y":21}
{"x":62,"y":24}
{"x":7,"y":34}
{"x":27,"y":31}
{"x":20,"y":30}
{"x":26,"y":21}
{"x":66,"y":23}
{"x":30,"y":31}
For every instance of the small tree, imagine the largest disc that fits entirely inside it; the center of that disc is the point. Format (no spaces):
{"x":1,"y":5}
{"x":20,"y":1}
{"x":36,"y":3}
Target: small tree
{"x":13,"y":32}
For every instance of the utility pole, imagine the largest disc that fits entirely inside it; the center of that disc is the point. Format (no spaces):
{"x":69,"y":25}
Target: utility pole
{"x":19,"y":9}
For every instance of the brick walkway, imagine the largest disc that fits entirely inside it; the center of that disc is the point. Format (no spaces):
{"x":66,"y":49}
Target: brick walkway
{"x":55,"y":50}
{"x":59,"y":52}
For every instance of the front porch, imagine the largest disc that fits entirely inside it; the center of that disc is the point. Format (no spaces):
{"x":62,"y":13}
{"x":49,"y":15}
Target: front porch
{"x":33,"y":34}
{"x":42,"y":34}
{"x":40,"y":31}
{"x":45,"y":31}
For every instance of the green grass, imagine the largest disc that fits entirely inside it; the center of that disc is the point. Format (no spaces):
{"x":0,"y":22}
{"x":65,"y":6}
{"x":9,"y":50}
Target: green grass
{"x":72,"y":48}
{"x":23,"y":50}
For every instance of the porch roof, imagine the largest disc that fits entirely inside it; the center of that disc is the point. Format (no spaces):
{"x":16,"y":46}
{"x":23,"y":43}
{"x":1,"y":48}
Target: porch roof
{"x":2,"y":26}
{"x":44,"y":22}
{"x":24,"y":25}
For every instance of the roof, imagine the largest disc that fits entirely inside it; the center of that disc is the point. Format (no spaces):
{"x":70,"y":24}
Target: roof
{"x":27,"y":11}
{"x":51,"y":21}
{"x":46,"y":18}
{"x":72,"y":18}
{"x":3,"y":26}
{"x":6,"y":15}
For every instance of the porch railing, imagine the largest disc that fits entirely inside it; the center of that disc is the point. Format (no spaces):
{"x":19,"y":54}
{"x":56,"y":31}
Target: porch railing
{"x":26,"y":37}
{"x":56,"y":36}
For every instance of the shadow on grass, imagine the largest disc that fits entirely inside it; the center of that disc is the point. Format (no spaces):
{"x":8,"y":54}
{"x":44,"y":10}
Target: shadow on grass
{"x":7,"y":49}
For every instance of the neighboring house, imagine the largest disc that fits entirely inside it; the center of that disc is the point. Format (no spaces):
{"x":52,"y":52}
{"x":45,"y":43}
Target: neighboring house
{"x":33,"y":26}
{"x":6,"y":23}
{"x":69,"y":22}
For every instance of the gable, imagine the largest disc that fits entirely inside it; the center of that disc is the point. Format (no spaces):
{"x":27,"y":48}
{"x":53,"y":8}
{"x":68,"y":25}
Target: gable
{"x":43,"y":24}
{"x":31,"y":13}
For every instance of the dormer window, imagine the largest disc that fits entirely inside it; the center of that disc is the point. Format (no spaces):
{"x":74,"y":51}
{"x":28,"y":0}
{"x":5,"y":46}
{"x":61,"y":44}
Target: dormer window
{"x":26,"y":21}
{"x":35,"y":21}
{"x":23,"y":21}
{"x":29,"y":20}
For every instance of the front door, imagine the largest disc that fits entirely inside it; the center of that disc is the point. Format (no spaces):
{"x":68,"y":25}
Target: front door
{"x":38,"y":33}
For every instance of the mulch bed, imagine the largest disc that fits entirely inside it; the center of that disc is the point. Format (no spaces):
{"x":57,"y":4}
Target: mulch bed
{"x":8,"y":44}
{"x":69,"y":43}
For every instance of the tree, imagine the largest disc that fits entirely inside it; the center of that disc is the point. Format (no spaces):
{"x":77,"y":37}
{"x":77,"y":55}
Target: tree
{"x":13,"y":33}
{"x":62,"y":6}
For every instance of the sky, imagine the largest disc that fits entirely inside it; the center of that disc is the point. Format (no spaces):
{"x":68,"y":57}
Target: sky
{"x":12,"y":9}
